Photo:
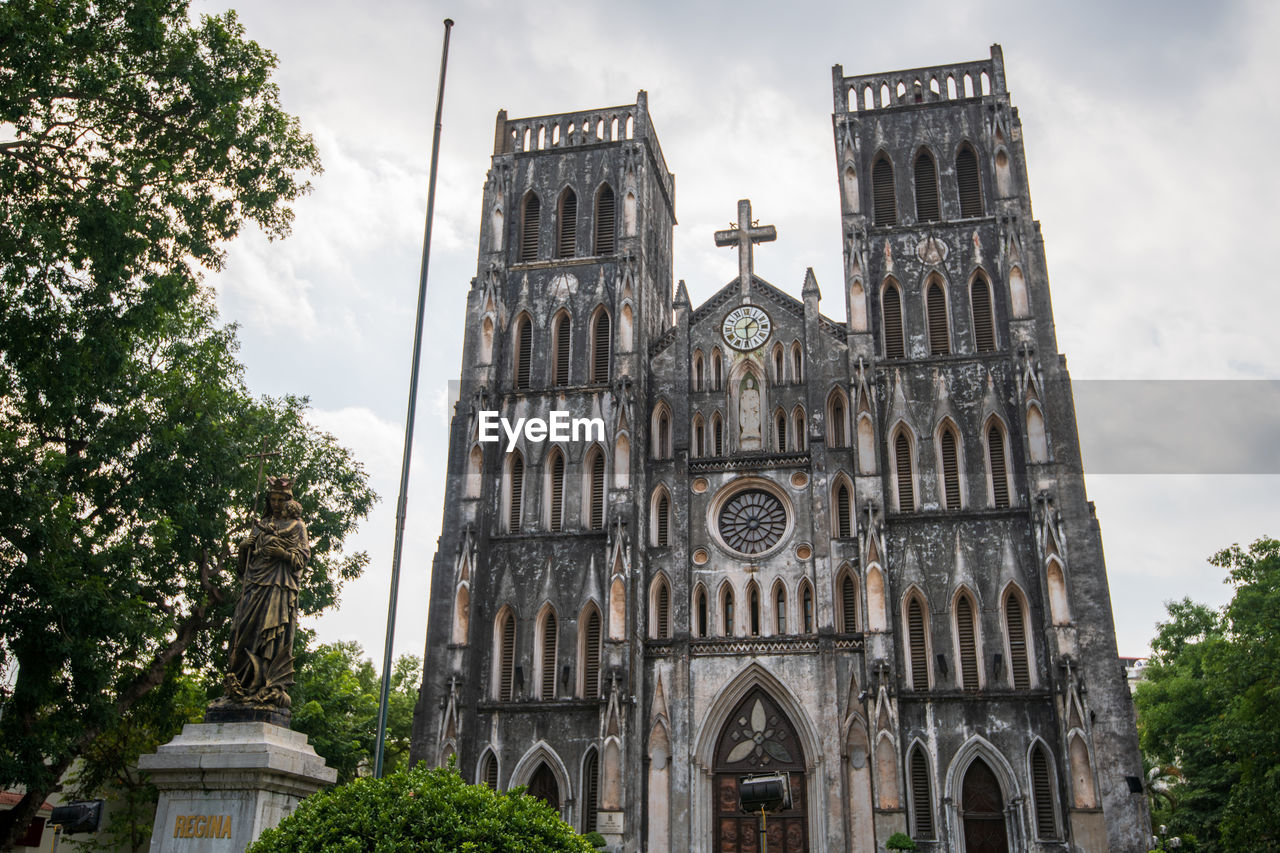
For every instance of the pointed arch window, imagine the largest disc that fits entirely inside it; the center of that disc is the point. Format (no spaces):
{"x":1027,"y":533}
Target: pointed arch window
{"x":917,"y":644}
{"x":968,"y":184}
{"x":777,"y":364}
{"x":726,"y":611}
{"x":561,"y":353}
{"x":591,"y":654}
{"x":606,"y":220}
{"x":489,"y":770}
{"x":697,"y":371}
{"x":555,"y":490}
{"x":662,"y":433}
{"x":601,"y":340}
{"x":1016,"y":631}
{"x":661,"y":518}
{"x":547,"y":639}
{"x":717,"y":434}
{"x":661,"y":609}
{"x":891,"y":314}
{"x":524,"y":353}
{"x":797,"y":362}
{"x":936,"y":316}
{"x":590,"y":791}
{"x":967,"y":643}
{"x":780,"y":430}
{"x":837,"y":425}
{"x":1037,"y":439}
{"x":1042,"y":793}
{"x":926,"y":188}
{"x":903,"y":472}
{"x":798,"y":442}
{"x":505,"y":669}
{"x":996,"y":465}
{"x":949,"y":445}
{"x":780,"y":607}
{"x":699,"y":436}
{"x":848,"y":603}
{"x":806,"y":607}
{"x":921,"y":796}
{"x":515,"y":492}
{"x":567,"y":232}
{"x":984,"y":327}
{"x":530,"y":215}
{"x":883,"y":198}
{"x":753,"y":604}
{"x":595,"y":489}
{"x":843,"y":511}
{"x":700,"y":607}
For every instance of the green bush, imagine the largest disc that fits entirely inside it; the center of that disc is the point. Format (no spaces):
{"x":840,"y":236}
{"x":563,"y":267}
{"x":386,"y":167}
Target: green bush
{"x":432,"y":811}
{"x":900,"y":841}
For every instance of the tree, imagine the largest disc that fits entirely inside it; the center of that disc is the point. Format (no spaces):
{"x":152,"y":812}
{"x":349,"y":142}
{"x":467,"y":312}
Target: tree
{"x":1209,"y":706}
{"x":133,"y":144}
{"x":432,"y":811}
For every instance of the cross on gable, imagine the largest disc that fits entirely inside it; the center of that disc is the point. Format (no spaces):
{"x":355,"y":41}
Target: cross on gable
{"x":743,"y":236}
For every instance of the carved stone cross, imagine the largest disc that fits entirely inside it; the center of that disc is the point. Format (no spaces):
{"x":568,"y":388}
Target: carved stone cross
{"x":743,"y":236}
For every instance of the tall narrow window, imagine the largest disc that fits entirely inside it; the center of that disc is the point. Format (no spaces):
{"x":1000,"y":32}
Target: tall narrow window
{"x":717,"y":434}
{"x":662,"y":610}
{"x":837,"y":427}
{"x":780,"y":430}
{"x":697,"y":371}
{"x":917,"y":651}
{"x":524,"y":352}
{"x":848,"y":604}
{"x":591,"y":656}
{"x":753,"y":602}
{"x":662,"y":520}
{"x":936,"y":310}
{"x":984,"y":329}
{"x":601,"y":335}
{"x":567,"y":233}
{"x":891,"y":310}
{"x":968,"y":184}
{"x":595,"y":494}
{"x":590,"y":791}
{"x":489,"y":771}
{"x":906,"y":486}
{"x":798,"y":430}
{"x":806,"y":608}
{"x":663,"y":436}
{"x":606,"y":220}
{"x":843,"y":511}
{"x":529,"y":222}
{"x":884,"y":202}
{"x":967,"y":642}
{"x":717,"y":369}
{"x":926,"y":188}
{"x":560,"y":353}
{"x":1015,"y":627}
{"x":999,"y":476}
{"x":780,"y":608}
{"x":1042,"y":793}
{"x":921,"y":800}
{"x":950,"y":469}
{"x":556,"y":491}
{"x":727,"y":612}
{"x":699,"y":437}
{"x":547,"y":664}
{"x":506,"y":655}
{"x":797,"y":363}
{"x":777,"y":364}
{"x":515,"y":493}
{"x":702,"y":612}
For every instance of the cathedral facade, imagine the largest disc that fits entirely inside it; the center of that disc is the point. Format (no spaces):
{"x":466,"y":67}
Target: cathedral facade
{"x":859,"y":553}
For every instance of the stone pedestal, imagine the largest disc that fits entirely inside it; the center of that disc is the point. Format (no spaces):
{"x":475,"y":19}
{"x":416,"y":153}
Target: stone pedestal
{"x":222,"y":784}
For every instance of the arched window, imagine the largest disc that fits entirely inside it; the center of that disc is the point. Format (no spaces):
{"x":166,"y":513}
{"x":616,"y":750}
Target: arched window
{"x":548,"y":635}
{"x":567,"y":230}
{"x":504,"y":671}
{"x":662,"y":432}
{"x":967,"y":183}
{"x":601,"y":338}
{"x":780,"y":430}
{"x":595,"y":489}
{"x":590,"y":653}
{"x":778,"y":376}
{"x":461,"y":613}
{"x":1036,"y":436}
{"x":515,"y":492}
{"x":996,"y":465}
{"x":661,"y":625}
{"x":1042,"y":793}
{"x":661,"y":518}
{"x":967,"y":643}
{"x":717,"y":369}
{"x":926,"y":188}
{"x":806,"y":607}
{"x":921,"y":796}
{"x":753,"y":604}
{"x":697,"y":371}
{"x":555,"y":490}
{"x":797,"y":362}
{"x":984,"y":326}
{"x":837,"y":420}
{"x":798,"y":439}
{"x":717,"y":434}
{"x":949,"y":445}
{"x":1015,"y":627}
{"x":883,"y":201}
{"x":529,"y":221}
{"x":489,"y":770}
{"x":700,"y":609}
{"x":936,"y":317}
{"x":699,"y":436}
{"x":842,"y":500}
{"x":475,"y":472}
{"x":903,"y":472}
{"x":848,"y":589}
{"x":590,"y":791}
{"x":606,"y":220}
{"x":891,"y":314}
{"x":561,"y":353}
{"x":780,"y":607}
{"x":917,"y":643}
{"x":726,"y":610}
{"x":523,"y":352}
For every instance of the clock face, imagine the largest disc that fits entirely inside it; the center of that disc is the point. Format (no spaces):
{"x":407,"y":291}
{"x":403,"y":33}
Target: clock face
{"x":746,"y":327}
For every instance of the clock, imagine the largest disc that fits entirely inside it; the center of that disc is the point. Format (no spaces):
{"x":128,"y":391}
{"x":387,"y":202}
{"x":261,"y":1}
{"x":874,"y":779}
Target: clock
{"x":746,"y":327}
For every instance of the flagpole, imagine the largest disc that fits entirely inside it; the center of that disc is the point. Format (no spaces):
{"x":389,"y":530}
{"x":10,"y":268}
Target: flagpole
{"x":403,"y":499}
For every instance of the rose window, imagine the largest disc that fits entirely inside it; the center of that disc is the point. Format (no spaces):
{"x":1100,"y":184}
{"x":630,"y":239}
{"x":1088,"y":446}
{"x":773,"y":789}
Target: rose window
{"x":752,"y":521}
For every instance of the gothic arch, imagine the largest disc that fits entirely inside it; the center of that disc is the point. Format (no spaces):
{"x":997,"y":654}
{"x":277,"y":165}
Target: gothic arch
{"x":660,"y":607}
{"x":701,"y":612}
{"x":503,"y":660}
{"x":622,"y":461}
{"x":842,"y":520}
{"x":595,"y":496}
{"x":754,"y":621}
{"x":461,"y":613}
{"x":778,"y":601}
{"x":917,"y":639}
{"x":698,"y":436}
{"x":561,"y":347}
{"x":966,"y":638}
{"x":952,"y":484}
{"x":838,"y":425}
{"x":848,"y":600}
{"x":590,"y":789}
{"x":979,"y":747}
{"x":606,"y":224}
{"x":553,"y":491}
{"x":922,"y":817}
{"x":893,"y":333}
{"x":1037,"y":439}
{"x":883,"y":194}
{"x":567,"y":224}
{"x":797,"y":362}
{"x":699,"y":371}
{"x":904,"y":455}
{"x":522,"y":352}
{"x":877,"y":608}
{"x":727,"y":609}
{"x":982,"y":307}
{"x":546,"y":653}
{"x":1056,"y":580}
{"x":936,"y":297}
{"x":601,"y":344}
{"x":475,"y":472}
{"x":1022,"y":661}
{"x":799,"y":429}
{"x":995,"y":442}
{"x":1018,"y":297}
{"x":542,"y":753}
{"x":617,"y":609}
{"x":590,"y":650}
{"x":660,"y":531}
{"x":777,"y":362}
{"x":1046,"y":811}
{"x":488,"y":768}
{"x":660,"y":435}
{"x":514,"y":492}
{"x":806,"y":622}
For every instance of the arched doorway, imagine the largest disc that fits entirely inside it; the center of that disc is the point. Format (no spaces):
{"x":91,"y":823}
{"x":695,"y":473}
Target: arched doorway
{"x":542,"y":784}
{"x":982,"y":811}
{"x":758,"y":738}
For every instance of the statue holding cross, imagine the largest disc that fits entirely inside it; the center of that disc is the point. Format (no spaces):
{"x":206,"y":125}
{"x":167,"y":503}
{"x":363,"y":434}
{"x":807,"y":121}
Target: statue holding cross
{"x":743,"y":236}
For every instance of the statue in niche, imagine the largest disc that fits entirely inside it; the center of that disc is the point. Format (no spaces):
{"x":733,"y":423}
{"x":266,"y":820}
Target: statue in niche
{"x":272,"y":559}
{"x":749,"y":413}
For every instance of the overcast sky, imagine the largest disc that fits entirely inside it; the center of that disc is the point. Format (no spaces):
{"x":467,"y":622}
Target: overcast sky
{"x":1150,"y":131}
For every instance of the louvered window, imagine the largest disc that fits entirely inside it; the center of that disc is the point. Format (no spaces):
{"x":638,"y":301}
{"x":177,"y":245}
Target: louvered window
{"x":489,"y":773}
{"x":753,"y":602}
{"x":663,"y":520}
{"x":921,"y":802}
{"x":797,"y":364}
{"x":806,"y":607}
{"x":595,"y":506}
{"x":780,"y":610}
{"x":891,"y":308}
{"x":560,"y":356}
{"x":918,"y":651}
{"x":717,"y":370}
{"x":507,"y":657}
{"x":591,"y":657}
{"x":906,"y":488}
{"x":702,"y":613}
{"x":728,"y":613}
{"x":548,"y":662}
{"x":1042,"y":793}
{"x":664,"y":606}
{"x":590,"y":792}
{"x":524,"y":352}
{"x":1019,"y":670}
{"x":967,"y":183}
{"x":529,"y":222}
{"x":780,"y":431}
{"x":699,"y":438}
{"x":837,"y":423}
{"x":886,"y":208}
{"x":999,"y":477}
{"x":968,"y":651}
{"x":516,"y":505}
{"x":557,"y":491}
{"x":777,"y":364}
{"x":926,"y":189}
{"x":848,"y":604}
{"x":567,"y":234}
{"x":984,"y":329}
{"x":717,"y":429}
{"x":606,"y":220}
{"x":936,"y":302}
{"x":844,"y":512}
{"x":601,"y":335}
{"x":798,"y":430}
{"x":950,"y":470}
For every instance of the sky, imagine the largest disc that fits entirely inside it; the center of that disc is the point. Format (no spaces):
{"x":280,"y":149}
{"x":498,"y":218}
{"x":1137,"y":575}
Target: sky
{"x":1148,"y":128}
